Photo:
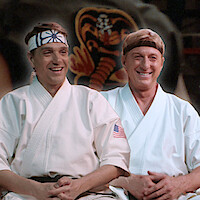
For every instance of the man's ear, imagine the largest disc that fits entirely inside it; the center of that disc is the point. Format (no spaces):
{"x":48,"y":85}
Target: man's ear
{"x":163,"y":60}
{"x":30,"y":58}
{"x":123,"y":61}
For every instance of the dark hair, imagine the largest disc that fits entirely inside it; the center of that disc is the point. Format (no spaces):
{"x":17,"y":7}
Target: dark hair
{"x":40,"y":27}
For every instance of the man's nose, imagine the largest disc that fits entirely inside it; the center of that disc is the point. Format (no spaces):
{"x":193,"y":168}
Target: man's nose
{"x":56,"y":58}
{"x":145,"y":64}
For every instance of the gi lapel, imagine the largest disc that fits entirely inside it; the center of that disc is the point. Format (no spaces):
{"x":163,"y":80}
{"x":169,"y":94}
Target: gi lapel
{"x":128,"y":110}
{"x":44,"y":124}
{"x":152,"y":116}
{"x":141,"y":136}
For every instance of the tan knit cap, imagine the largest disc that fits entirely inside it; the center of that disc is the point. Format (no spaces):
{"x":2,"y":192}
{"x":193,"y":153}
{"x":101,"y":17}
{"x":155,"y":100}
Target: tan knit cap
{"x":143,"y":37}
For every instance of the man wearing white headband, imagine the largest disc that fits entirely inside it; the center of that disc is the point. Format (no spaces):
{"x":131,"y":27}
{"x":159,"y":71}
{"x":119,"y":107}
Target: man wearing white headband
{"x":51,"y":131}
{"x":46,"y":37}
{"x":163,"y":131}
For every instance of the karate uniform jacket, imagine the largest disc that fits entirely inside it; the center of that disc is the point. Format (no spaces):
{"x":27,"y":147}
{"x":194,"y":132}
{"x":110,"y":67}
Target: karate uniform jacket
{"x":70,"y":134}
{"x":166,"y":139}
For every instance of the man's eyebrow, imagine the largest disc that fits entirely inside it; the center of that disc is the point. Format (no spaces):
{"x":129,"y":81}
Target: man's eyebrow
{"x":151,"y":53}
{"x":50,"y":48}
{"x":134,"y":53}
{"x":46,"y":48}
{"x":64,"y":47}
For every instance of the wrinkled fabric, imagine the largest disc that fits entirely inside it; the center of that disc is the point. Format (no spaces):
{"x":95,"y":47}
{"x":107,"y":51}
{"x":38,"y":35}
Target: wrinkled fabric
{"x":70,"y":134}
{"x":166,"y":139}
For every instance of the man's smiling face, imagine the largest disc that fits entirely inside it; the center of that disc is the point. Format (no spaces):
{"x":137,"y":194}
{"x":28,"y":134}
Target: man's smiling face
{"x":51,"y":63}
{"x":143,"y":65}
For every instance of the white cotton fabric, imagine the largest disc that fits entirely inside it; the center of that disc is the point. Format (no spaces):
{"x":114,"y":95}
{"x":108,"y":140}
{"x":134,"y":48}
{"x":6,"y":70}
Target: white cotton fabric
{"x":166,"y":139}
{"x":46,"y":37}
{"x":70,"y":134}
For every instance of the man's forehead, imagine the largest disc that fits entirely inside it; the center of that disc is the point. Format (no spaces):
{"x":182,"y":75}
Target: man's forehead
{"x":145,"y":49}
{"x":53,"y":45}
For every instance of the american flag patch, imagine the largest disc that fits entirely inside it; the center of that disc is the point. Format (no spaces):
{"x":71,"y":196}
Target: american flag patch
{"x":118,"y":132}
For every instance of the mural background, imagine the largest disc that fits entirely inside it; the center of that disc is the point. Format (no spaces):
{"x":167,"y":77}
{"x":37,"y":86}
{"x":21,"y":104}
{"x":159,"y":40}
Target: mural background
{"x":96,"y":31}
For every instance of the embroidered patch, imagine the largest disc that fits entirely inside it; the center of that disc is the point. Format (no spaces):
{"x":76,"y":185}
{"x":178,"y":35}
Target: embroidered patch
{"x":118,"y":132}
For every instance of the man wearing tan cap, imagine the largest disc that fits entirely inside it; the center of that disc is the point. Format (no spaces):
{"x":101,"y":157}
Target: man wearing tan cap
{"x":51,"y":131}
{"x":163,"y":131}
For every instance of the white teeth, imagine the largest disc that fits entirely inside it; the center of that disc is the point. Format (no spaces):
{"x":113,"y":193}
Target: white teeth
{"x":56,"y":69}
{"x":144,"y":74}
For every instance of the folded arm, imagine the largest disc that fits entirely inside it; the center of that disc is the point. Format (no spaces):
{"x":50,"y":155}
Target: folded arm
{"x":68,"y":188}
{"x":20,"y":185}
{"x":173,"y":187}
{"x":134,"y":184}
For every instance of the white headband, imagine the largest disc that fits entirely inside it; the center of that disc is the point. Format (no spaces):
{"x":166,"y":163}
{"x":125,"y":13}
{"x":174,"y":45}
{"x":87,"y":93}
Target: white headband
{"x":46,"y":37}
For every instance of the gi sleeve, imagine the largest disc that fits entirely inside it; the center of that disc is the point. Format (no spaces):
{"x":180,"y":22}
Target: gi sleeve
{"x":8,"y":132}
{"x":192,"y":137}
{"x":109,"y":138}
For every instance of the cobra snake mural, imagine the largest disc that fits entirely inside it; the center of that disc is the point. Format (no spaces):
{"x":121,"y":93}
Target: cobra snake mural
{"x":100,"y":32}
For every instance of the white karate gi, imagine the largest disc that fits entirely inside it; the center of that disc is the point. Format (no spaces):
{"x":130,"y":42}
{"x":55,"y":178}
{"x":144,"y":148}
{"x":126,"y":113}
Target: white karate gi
{"x":166,"y":139}
{"x":69,"y":134}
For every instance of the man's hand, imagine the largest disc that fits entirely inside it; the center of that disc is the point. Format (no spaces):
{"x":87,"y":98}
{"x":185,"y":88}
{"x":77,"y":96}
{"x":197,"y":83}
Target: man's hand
{"x":42,"y":191}
{"x":66,"y":189}
{"x":166,"y":187}
{"x":71,"y":188}
{"x":135,"y":184}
